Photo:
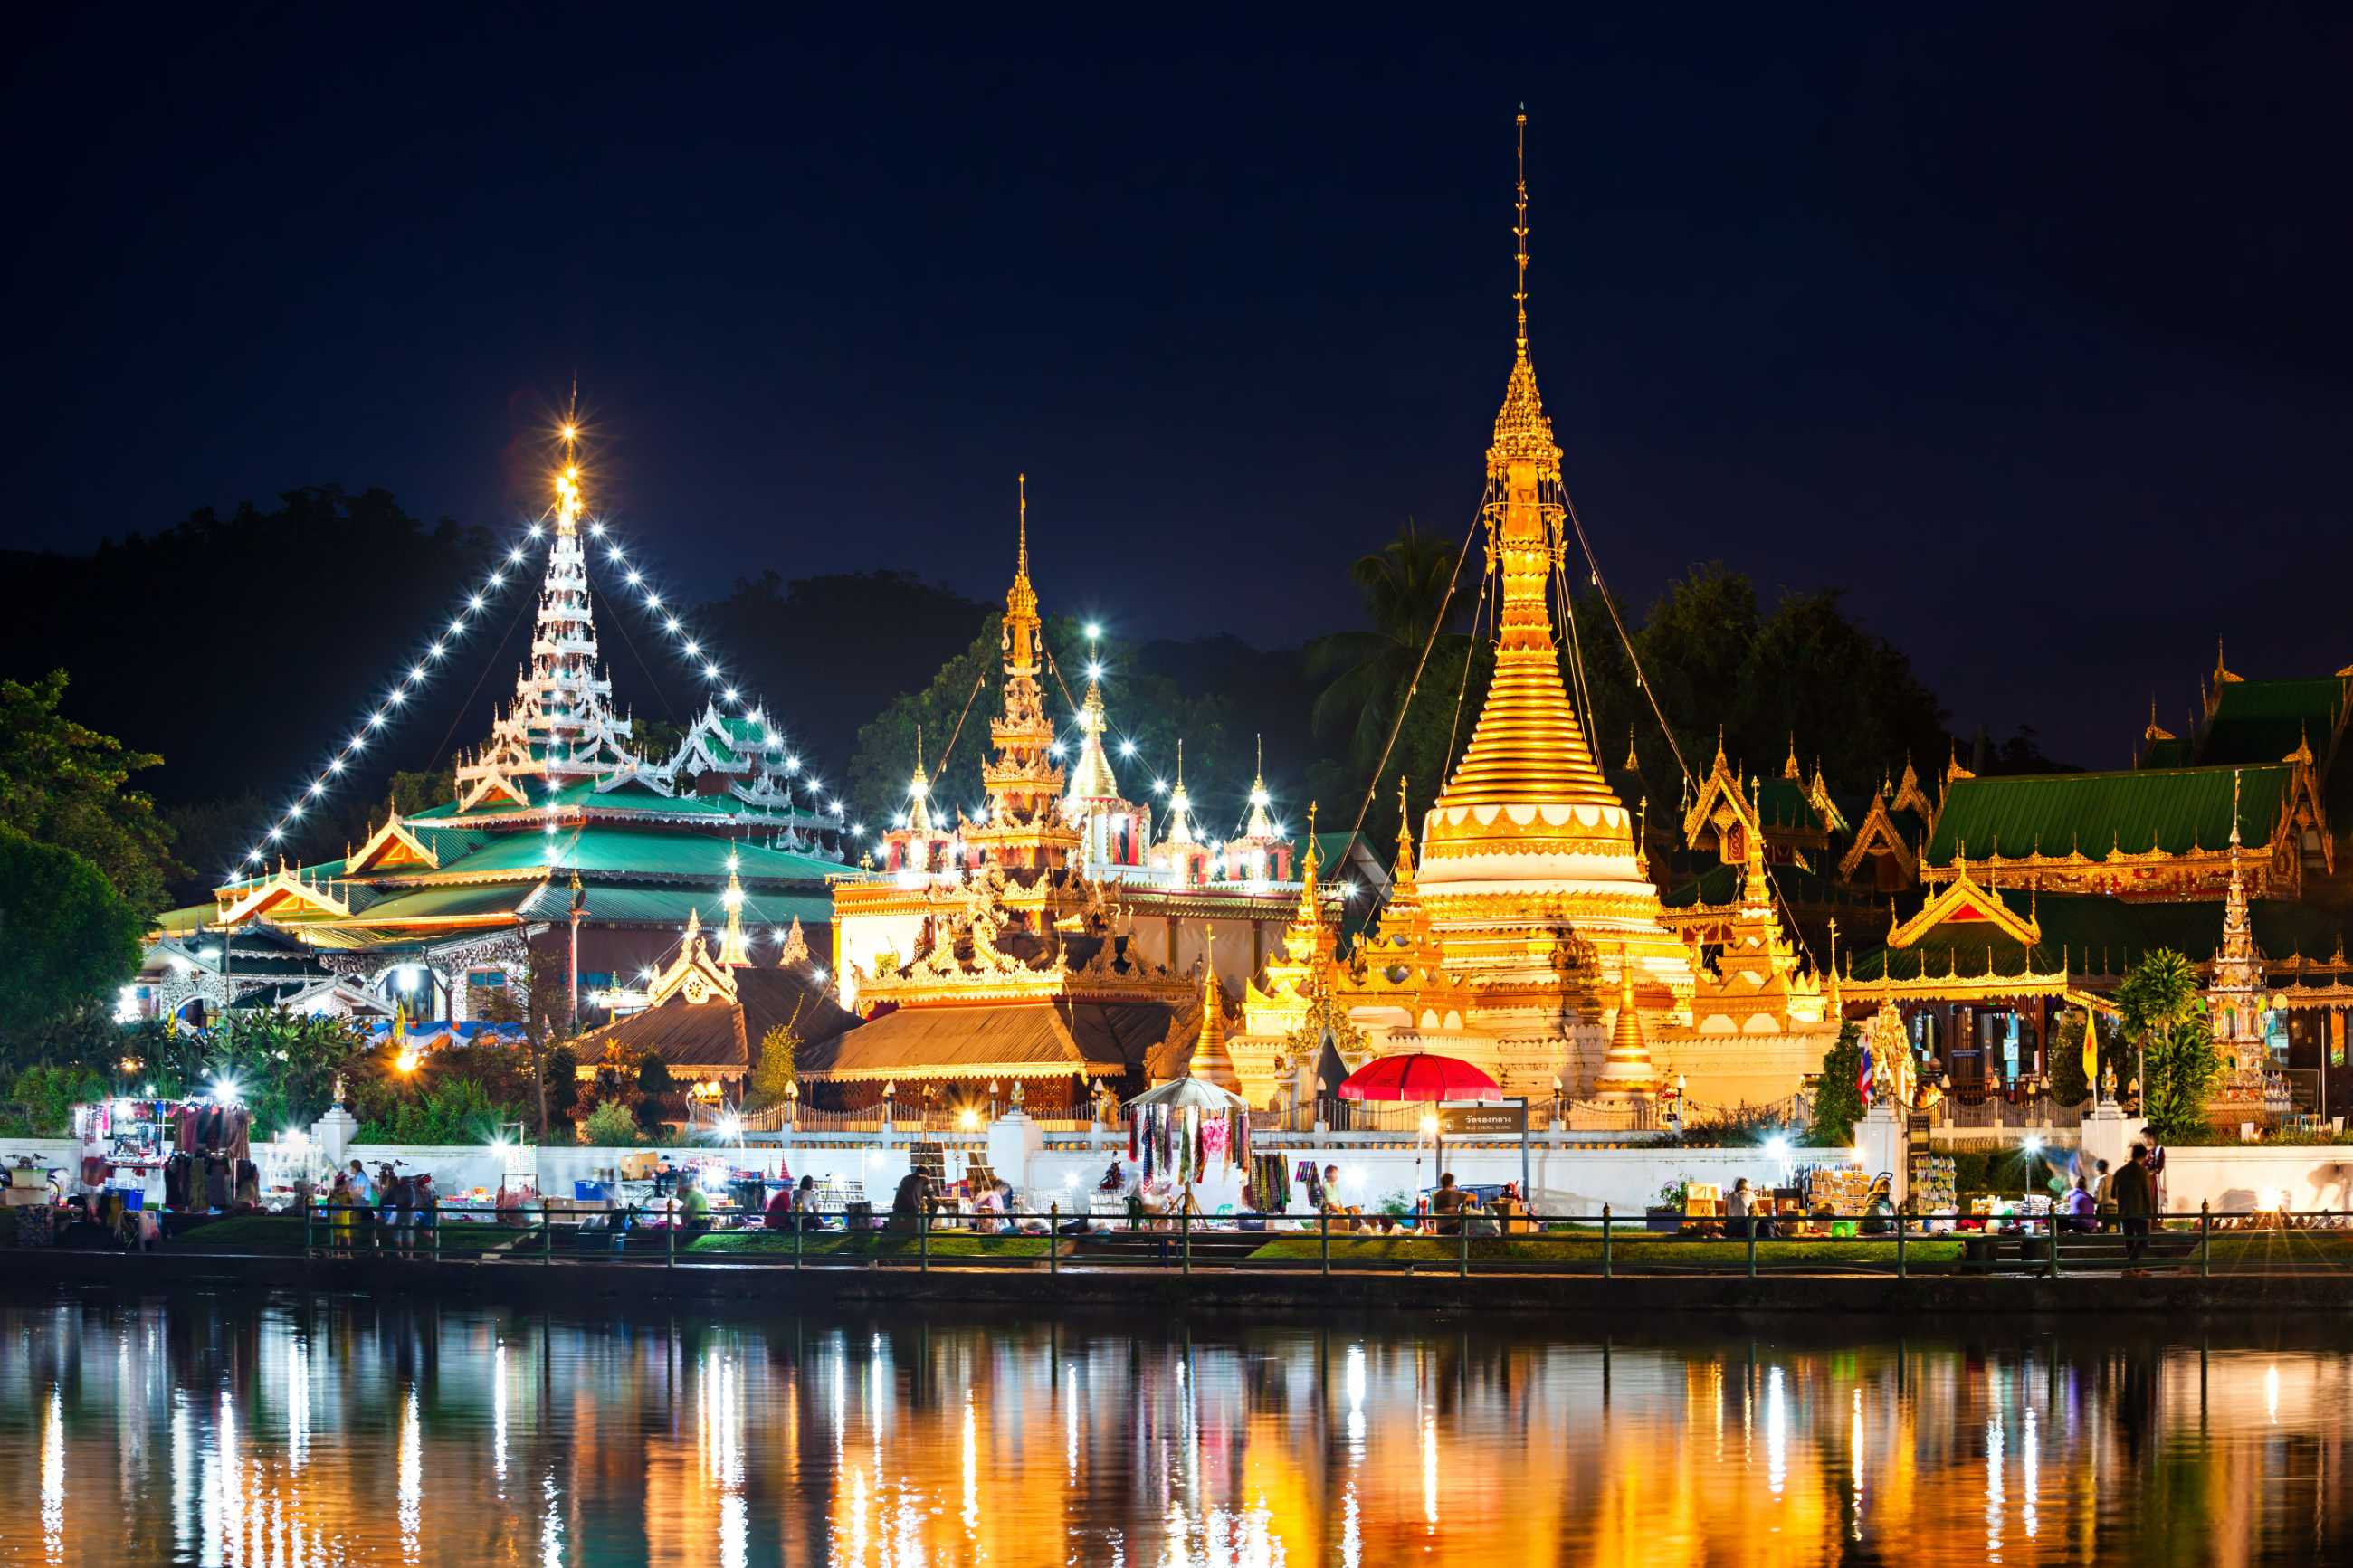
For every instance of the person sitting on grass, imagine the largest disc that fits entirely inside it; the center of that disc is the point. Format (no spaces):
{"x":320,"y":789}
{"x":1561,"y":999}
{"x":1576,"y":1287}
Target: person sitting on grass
{"x":2078,"y":1209}
{"x":778,"y":1215}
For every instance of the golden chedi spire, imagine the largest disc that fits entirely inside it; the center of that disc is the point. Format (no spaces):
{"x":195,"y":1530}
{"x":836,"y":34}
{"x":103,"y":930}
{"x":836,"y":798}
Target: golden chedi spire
{"x":1401,"y":874}
{"x":1259,"y":825}
{"x":1211,"y":1061}
{"x":1529,"y":774}
{"x":1627,"y":1070}
{"x":1529,"y":875}
{"x":1025,"y":830}
{"x":1092,"y":779}
{"x":1180,"y":805}
{"x":919,"y":791}
{"x":735,"y":949}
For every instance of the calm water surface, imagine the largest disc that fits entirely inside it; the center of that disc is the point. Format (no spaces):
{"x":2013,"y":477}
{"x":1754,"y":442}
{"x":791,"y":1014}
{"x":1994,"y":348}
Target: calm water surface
{"x":205,"y":1428}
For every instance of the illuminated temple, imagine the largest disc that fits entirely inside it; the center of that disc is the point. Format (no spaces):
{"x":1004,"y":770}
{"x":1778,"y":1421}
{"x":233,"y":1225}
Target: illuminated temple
{"x":557,"y":821}
{"x":1527,"y":936}
{"x":1048,"y":940}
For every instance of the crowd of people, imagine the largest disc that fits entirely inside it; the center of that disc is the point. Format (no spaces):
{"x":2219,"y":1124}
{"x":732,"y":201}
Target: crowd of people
{"x":395,"y":1212}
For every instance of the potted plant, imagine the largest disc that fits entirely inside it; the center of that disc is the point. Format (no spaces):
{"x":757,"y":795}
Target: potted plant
{"x":1665,"y":1216}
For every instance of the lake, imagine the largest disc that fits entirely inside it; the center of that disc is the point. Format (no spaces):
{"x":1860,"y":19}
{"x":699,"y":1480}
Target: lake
{"x":197,"y":1427}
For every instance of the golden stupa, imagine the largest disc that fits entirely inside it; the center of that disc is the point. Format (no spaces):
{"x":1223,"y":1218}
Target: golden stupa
{"x":1529,"y":938}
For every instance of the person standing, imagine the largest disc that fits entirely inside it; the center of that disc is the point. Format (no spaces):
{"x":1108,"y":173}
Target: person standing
{"x":2135,"y":1196}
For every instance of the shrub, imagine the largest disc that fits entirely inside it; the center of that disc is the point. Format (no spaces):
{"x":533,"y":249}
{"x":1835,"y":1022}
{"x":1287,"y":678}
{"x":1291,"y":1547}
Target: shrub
{"x":610,"y":1124}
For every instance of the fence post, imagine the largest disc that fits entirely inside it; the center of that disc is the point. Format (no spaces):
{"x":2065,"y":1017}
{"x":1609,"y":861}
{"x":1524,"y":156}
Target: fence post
{"x":436,"y":1233}
{"x":801,"y":1224}
{"x":1751,"y":1222}
{"x":1903,"y":1224}
{"x":306,"y":1227}
{"x":1185,"y":1234}
{"x":924,"y":1239}
{"x":669,"y":1235}
{"x":1463,"y":1254}
{"x":2051,"y":1225}
{"x":547,"y":1233}
{"x":1054,"y":1236}
{"x":1324,"y":1218}
{"x":2205,"y":1237}
{"x":1604,"y":1241}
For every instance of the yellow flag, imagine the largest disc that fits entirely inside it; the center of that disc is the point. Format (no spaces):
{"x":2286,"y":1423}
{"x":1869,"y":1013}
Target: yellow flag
{"x":2091,"y":1048}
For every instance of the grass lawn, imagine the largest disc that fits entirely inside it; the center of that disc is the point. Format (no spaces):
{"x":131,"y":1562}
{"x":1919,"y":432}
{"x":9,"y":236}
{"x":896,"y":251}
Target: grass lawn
{"x":281,"y":1236}
{"x":1580,"y":1252}
{"x":861,"y":1244}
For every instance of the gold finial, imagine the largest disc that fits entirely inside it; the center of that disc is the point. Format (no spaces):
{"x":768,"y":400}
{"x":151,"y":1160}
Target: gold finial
{"x":1180,"y":763}
{"x":1520,"y":233}
{"x":1789,"y":769}
{"x":1633,"y":764}
{"x":2234,"y":809}
{"x":1021,"y":559}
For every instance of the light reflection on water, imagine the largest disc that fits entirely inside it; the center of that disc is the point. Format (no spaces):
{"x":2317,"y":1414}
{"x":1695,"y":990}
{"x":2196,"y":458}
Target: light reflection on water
{"x":211,"y":1429}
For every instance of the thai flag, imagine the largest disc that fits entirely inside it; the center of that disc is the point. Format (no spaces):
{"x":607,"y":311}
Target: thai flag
{"x":1862,"y":1074}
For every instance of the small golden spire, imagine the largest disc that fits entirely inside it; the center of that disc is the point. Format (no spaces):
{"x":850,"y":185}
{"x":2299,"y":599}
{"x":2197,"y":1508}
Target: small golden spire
{"x":1520,"y":233}
{"x":1789,"y":769}
{"x":1021,"y":559}
{"x":1633,"y":764}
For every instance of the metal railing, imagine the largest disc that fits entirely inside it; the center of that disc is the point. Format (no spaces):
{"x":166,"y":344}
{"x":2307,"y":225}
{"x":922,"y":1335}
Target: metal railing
{"x":1607,"y":1245}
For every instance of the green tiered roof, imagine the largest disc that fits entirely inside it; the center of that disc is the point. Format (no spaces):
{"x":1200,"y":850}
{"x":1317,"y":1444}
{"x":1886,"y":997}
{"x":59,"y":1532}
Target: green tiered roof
{"x":2174,"y":810}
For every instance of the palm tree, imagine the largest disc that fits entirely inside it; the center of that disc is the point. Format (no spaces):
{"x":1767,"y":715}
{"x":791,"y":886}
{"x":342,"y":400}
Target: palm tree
{"x":1407,"y":583}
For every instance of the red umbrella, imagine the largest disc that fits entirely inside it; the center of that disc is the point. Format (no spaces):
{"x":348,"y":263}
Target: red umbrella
{"x":1418,"y":1076}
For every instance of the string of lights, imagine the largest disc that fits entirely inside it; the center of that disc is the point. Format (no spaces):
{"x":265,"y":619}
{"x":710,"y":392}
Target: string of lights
{"x":385,"y":710}
{"x":408,"y":685}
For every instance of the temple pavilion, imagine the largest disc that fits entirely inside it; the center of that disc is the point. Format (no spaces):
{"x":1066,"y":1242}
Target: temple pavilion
{"x":566,"y":851}
{"x":2039,"y":892}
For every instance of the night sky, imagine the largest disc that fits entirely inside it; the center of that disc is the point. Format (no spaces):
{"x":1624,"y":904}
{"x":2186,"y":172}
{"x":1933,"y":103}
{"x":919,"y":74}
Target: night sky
{"x":2029,"y":330}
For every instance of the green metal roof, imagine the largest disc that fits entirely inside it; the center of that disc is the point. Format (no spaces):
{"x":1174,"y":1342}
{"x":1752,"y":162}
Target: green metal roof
{"x":647,"y":853}
{"x":2263,"y":721}
{"x":186,"y":921}
{"x":2170,"y":809}
{"x":2167,"y":754}
{"x":669,"y":906}
{"x":445,"y":903}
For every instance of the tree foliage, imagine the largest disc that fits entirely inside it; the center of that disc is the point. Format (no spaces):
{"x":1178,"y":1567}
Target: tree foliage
{"x":2164,"y":1014}
{"x":1838,"y":1095}
{"x":610,"y":1124}
{"x":773,"y":1074}
{"x":72,"y":936}
{"x":39,"y":1102}
{"x":66,"y":785}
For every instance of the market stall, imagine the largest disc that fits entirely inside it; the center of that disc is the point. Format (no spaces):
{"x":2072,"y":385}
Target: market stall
{"x":1182,"y":1130}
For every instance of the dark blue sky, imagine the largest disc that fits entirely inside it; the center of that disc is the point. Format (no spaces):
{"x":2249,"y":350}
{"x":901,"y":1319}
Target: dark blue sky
{"x":2027,"y":329}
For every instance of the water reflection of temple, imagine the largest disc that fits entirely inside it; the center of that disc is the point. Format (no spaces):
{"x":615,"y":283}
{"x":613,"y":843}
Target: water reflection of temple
{"x":319,"y":1432}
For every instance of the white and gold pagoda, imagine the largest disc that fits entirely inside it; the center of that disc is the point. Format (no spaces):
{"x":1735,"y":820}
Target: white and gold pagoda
{"x":1039,"y":941}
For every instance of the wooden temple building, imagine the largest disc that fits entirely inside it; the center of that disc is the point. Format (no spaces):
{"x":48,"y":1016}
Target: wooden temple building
{"x":2039,"y":892}
{"x":559,"y":829}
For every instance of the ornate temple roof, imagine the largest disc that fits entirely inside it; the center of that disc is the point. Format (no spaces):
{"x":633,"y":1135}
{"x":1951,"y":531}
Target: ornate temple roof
{"x":2170,"y":811}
